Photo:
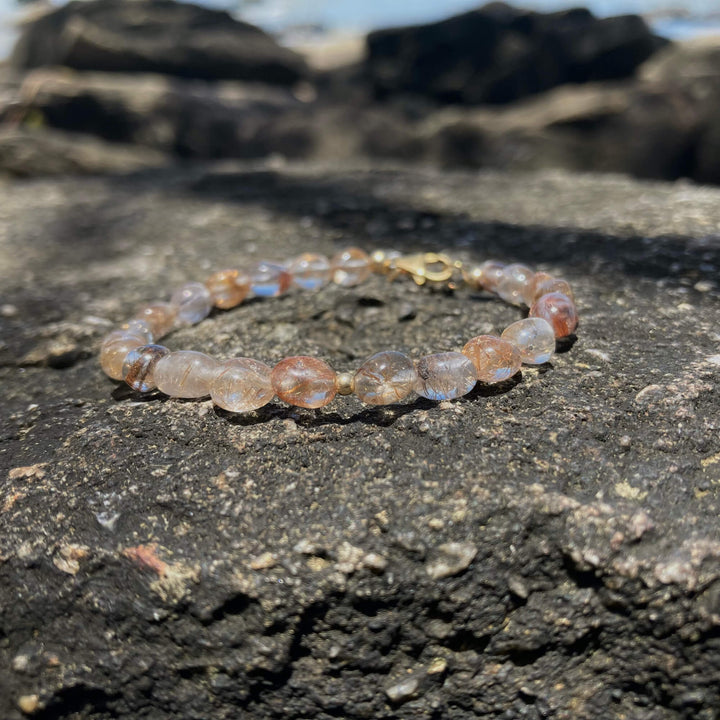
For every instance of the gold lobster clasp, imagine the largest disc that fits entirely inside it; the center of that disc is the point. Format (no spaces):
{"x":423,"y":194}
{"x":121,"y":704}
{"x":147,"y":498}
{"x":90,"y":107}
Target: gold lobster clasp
{"x":424,"y":267}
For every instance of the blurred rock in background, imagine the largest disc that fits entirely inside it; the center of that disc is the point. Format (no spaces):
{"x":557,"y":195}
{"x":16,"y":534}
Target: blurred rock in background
{"x":495,"y":87}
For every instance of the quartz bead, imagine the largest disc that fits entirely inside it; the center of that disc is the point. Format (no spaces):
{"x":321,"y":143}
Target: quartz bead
{"x":559,"y":310}
{"x":227,"y":288}
{"x":115,"y":348}
{"x":304,"y":381}
{"x":384,"y":378}
{"x":268,"y":279}
{"x":547,"y":284}
{"x":185,"y":374}
{"x":241,"y":385}
{"x":495,"y":359}
{"x":485,"y":276}
{"x":160,"y":317}
{"x":193,"y":303}
{"x":139,"y":327}
{"x":444,"y":376}
{"x":534,"y":337}
{"x":350,"y":267}
{"x":140,"y":364}
{"x":512,"y":287}
{"x":310,"y":271}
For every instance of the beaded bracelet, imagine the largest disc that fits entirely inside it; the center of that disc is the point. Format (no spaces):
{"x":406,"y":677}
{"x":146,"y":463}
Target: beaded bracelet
{"x":243,"y":384}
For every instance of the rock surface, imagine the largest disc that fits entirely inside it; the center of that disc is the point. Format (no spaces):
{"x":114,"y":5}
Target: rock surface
{"x":499,"y":53}
{"x":549,"y":548}
{"x":155,"y":36}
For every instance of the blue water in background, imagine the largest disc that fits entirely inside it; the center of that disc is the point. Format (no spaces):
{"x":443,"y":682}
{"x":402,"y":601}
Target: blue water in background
{"x":669,"y":18}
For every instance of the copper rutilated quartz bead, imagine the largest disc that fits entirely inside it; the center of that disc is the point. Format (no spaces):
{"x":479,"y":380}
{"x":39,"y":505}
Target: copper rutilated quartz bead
{"x":543,"y":283}
{"x":534,"y":338}
{"x":495,"y":359}
{"x":559,"y":310}
{"x":160,"y":317}
{"x":115,"y":348}
{"x":185,"y":374}
{"x":227,"y":288}
{"x":268,"y":279}
{"x":193,"y":303}
{"x":350,"y":267}
{"x":384,"y":378}
{"x":310,"y":271}
{"x":444,"y":376}
{"x":139,"y":366}
{"x":304,"y":381}
{"x":241,"y":385}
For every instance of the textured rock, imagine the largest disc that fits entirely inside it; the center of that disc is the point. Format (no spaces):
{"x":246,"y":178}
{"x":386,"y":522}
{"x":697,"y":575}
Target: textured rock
{"x":498,"y":54}
{"x":159,"y":36}
{"x":162,"y":558}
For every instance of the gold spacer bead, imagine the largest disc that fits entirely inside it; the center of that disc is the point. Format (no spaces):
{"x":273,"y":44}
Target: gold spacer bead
{"x":345,"y":383}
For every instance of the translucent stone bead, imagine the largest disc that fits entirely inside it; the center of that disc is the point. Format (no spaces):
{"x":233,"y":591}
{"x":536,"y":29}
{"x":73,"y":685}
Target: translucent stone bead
{"x":310,"y":271}
{"x":384,"y":378}
{"x":534,"y":337}
{"x":241,"y":385}
{"x":139,"y":327}
{"x":268,"y":279}
{"x":193,"y":303}
{"x":160,"y":317}
{"x":485,"y":276}
{"x":114,"y":349}
{"x":350,"y":267}
{"x":512,"y":287}
{"x":559,"y":310}
{"x":304,"y":381}
{"x":546,"y":284}
{"x":185,"y":374}
{"x":444,"y":376}
{"x":227,"y":288}
{"x":495,"y":359}
{"x":140,"y":364}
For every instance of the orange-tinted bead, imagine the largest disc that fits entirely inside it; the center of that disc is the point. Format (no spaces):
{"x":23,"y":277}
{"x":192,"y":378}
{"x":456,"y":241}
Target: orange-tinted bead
{"x":227,"y":288}
{"x":114,"y":350}
{"x":559,"y":310}
{"x":495,"y":359}
{"x":304,"y":381}
{"x":350,"y":267}
{"x":160,"y":317}
{"x":542,"y":284}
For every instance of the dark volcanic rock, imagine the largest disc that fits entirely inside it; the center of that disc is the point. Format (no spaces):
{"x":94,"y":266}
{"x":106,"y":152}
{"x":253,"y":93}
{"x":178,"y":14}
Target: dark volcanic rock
{"x":181,"y":117}
{"x":498,"y":54}
{"x":549,"y":548}
{"x":157,"y":36}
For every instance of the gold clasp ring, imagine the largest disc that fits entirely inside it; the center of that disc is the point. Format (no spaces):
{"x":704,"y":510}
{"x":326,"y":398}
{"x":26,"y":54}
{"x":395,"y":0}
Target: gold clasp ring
{"x":423,"y":267}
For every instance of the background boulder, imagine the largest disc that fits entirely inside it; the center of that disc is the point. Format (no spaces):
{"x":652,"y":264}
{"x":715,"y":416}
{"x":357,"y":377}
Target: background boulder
{"x":498,"y":54}
{"x":157,"y":36}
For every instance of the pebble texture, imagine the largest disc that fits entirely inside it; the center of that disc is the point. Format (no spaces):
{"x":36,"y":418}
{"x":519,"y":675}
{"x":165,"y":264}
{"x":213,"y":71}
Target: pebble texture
{"x":546,"y":547}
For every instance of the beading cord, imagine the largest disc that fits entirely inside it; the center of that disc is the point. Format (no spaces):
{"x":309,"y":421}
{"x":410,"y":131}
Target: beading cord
{"x":243,"y":384}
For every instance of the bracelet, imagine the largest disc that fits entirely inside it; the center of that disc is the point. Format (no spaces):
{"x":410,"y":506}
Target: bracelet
{"x":243,"y":384}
